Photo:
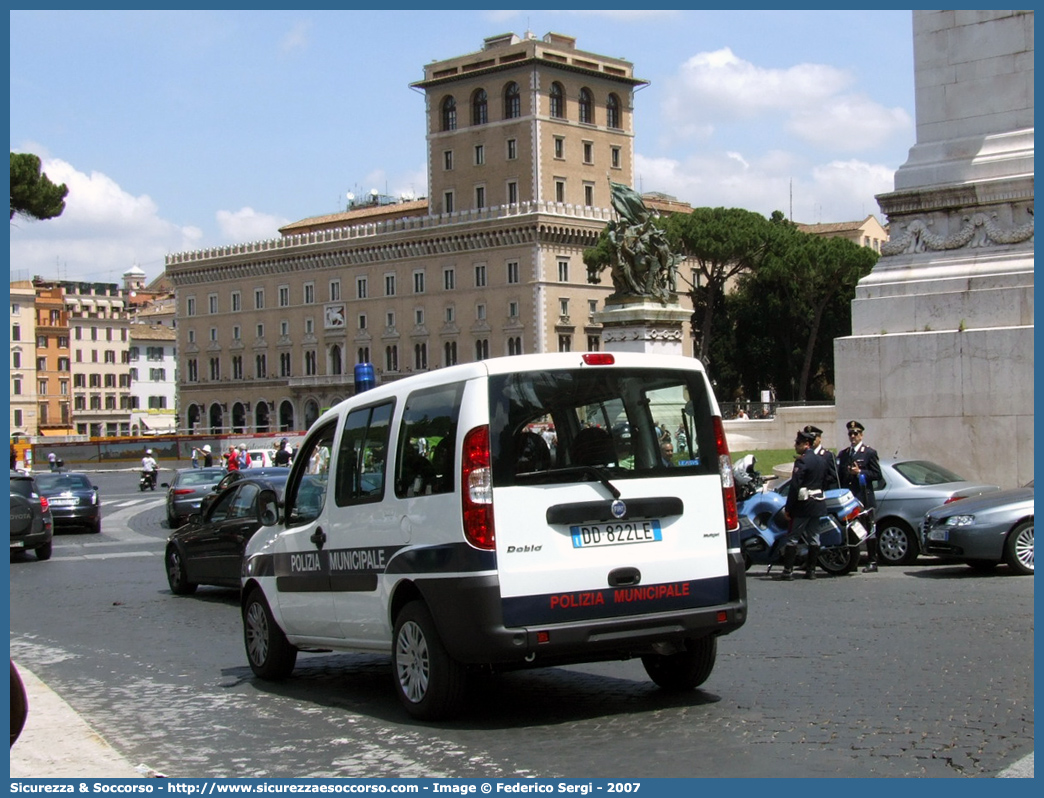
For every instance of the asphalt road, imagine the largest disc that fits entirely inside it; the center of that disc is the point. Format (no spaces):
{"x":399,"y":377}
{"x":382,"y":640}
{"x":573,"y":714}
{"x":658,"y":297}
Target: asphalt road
{"x":918,"y":671}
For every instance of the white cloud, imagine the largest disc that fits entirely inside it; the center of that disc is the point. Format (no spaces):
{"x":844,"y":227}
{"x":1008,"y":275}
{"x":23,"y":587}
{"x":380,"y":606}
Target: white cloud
{"x":103,"y":231}
{"x":297,"y":38}
{"x":246,"y":224}
{"x":851,"y":123}
{"x":806,"y":100}
{"x":727,"y":87}
{"x":833,"y":191}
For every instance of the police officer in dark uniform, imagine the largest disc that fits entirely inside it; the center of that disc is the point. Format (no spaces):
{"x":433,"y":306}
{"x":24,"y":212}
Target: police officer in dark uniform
{"x":858,"y":467}
{"x":805,"y":503}
{"x":832,"y":482}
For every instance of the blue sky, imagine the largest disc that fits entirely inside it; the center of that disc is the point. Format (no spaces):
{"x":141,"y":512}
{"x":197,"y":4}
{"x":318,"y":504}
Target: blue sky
{"x":179,"y":130}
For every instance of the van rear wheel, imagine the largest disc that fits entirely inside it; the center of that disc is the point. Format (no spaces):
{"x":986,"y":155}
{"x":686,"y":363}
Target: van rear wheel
{"x":684,"y":670}
{"x":429,"y":683}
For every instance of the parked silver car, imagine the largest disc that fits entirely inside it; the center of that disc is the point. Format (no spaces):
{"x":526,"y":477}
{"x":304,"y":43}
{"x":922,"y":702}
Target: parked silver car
{"x":186,"y":491}
{"x":985,"y":530}
{"x":906,"y":491}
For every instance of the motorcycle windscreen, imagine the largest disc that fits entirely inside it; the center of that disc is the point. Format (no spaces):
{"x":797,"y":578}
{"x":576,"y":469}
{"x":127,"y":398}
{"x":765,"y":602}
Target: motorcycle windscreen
{"x":606,"y":494}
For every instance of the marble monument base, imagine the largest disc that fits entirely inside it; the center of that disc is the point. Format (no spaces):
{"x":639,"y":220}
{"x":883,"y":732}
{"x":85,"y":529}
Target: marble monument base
{"x":642,"y":325}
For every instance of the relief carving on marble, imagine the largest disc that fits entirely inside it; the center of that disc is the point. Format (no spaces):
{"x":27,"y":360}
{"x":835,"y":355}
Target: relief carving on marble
{"x":976,"y":230}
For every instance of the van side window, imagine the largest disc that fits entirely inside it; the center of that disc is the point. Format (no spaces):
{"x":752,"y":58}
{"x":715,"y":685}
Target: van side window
{"x":363,"y":455}
{"x":306,"y":495}
{"x":424,"y":461}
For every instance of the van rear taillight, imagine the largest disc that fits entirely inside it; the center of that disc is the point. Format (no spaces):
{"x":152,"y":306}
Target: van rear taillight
{"x":728,"y":487}
{"x":476,"y":490}
{"x":598,"y":359}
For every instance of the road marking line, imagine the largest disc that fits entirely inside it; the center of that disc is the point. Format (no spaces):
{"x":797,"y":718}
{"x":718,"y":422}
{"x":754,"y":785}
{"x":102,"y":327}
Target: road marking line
{"x":113,"y":556}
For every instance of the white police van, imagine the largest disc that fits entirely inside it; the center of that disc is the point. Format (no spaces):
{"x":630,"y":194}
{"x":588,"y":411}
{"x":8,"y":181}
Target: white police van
{"x":514,"y":512}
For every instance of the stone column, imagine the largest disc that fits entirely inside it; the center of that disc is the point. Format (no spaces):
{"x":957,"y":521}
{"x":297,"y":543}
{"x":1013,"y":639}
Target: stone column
{"x":940,"y":361}
{"x":642,"y":325}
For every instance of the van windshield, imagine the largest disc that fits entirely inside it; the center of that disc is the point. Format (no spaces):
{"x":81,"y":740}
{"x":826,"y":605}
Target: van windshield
{"x":582,"y":424}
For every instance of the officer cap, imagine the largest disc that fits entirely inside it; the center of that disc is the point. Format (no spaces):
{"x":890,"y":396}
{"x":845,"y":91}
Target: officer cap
{"x":813,"y":429}
{"x":855,"y":426}
{"x":804,"y":435}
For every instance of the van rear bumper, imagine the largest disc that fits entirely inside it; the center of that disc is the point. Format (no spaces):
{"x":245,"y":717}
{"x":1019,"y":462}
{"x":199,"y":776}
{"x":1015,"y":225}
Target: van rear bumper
{"x":470,"y":620}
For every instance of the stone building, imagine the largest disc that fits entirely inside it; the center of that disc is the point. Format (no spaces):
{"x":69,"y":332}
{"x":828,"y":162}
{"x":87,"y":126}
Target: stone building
{"x":521,"y":136}
{"x":23,"y":360}
{"x":152,"y":361}
{"x":53,"y":363}
{"x":866,"y":233}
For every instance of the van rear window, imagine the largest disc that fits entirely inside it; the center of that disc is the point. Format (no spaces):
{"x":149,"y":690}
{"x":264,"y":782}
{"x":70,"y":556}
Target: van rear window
{"x":570,"y":425}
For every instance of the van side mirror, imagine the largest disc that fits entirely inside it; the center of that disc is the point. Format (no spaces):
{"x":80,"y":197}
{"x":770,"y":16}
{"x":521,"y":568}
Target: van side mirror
{"x":268,"y":508}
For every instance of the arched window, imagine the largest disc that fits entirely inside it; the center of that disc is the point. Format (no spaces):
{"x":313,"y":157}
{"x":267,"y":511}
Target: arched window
{"x":586,"y":107}
{"x":512,"y":101}
{"x":261,"y":416}
{"x":336,"y":363}
{"x":449,"y":114}
{"x":216,"y":419}
{"x":557,"y":101}
{"x":238,"y":417}
{"x":612,"y":111}
{"x":193,"y":418}
{"x":286,"y":416}
{"x":479,"y":107}
{"x":311,"y":412}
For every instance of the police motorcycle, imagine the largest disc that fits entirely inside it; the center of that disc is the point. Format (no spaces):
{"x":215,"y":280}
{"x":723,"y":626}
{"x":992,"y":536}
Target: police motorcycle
{"x":764,"y":526}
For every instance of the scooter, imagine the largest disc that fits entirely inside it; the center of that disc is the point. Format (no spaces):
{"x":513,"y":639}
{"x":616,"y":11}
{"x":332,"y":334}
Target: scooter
{"x":764,"y":526}
{"x":148,"y":480}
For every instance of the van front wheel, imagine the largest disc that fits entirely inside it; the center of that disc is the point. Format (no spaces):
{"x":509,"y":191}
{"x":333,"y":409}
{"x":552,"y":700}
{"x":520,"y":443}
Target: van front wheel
{"x":684,"y":670}
{"x":429,"y":683}
{"x":270,"y":654}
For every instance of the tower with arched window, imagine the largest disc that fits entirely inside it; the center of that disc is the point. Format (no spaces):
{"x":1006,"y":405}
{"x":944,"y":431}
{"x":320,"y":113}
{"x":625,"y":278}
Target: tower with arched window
{"x":527,"y":120}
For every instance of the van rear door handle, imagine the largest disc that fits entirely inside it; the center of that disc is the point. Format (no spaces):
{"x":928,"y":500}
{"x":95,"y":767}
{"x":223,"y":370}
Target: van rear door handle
{"x":621,"y":577}
{"x":318,"y":538}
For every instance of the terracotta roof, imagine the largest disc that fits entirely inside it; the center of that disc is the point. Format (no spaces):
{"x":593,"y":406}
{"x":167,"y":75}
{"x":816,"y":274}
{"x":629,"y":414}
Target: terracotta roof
{"x":348,"y":218}
{"x":833,"y":227}
{"x":152,"y":332}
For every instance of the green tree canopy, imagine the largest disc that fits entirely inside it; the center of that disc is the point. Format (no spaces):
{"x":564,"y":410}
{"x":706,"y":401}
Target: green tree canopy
{"x":725,"y":243}
{"x":787,"y":314}
{"x":33,"y":195}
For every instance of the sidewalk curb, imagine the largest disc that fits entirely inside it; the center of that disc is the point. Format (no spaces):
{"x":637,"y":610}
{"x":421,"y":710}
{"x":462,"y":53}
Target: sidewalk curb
{"x":57,"y":743}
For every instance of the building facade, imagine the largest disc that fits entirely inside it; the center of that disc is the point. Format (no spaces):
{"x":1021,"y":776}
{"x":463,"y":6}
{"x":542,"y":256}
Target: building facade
{"x":70,"y":372}
{"x":152,"y":355}
{"x":53,"y":363}
{"x":520,"y":138}
{"x":23,"y":360}
{"x":867,"y":233}
{"x":98,"y":321}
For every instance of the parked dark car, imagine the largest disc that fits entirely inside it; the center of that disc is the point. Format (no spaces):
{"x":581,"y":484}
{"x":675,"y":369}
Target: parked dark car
{"x":72,"y":498}
{"x":208,"y":550}
{"x":906,"y":491}
{"x":984,"y":531}
{"x":31,"y":523}
{"x":277,"y":473}
{"x":186,"y":490}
